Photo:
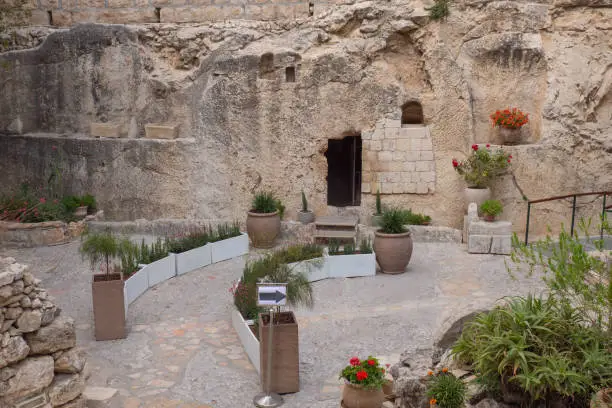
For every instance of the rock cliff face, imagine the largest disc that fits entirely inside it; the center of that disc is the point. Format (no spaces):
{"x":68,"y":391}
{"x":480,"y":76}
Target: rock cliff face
{"x":38,"y":358}
{"x":257,"y":103}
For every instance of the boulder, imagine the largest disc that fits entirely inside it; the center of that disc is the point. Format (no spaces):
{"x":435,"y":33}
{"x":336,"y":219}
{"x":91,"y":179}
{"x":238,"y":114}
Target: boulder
{"x":410,"y":377}
{"x":491,"y":403}
{"x":6,"y":373}
{"x":80,"y":402}
{"x":65,"y":388}
{"x":70,"y":362}
{"x":449,"y":332}
{"x":31,"y":376}
{"x":15,"y":350}
{"x":59,"y":335}
{"x":48,"y":315}
{"x":29,"y":321}
{"x":12,"y":313}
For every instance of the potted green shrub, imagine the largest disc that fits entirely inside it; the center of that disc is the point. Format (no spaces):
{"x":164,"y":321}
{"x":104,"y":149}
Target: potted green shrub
{"x":392,"y":242}
{"x":377,"y":216}
{"x":364,"y":380}
{"x":479,"y":170}
{"x":264,"y":220}
{"x":490,"y":209}
{"x":305,"y":216}
{"x":106,"y":287}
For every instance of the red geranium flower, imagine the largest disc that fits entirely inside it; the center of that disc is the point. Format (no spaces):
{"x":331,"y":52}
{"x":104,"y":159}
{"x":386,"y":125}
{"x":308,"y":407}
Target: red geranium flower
{"x":371,"y":362}
{"x":475,"y":147}
{"x":42,"y":200}
{"x":361,"y":375}
{"x":455,"y":163}
{"x":488,"y":145}
{"x":53,"y":147}
{"x":355,"y":361}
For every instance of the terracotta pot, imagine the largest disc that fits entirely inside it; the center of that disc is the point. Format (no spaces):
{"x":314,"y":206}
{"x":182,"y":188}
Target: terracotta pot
{"x":108,"y":306}
{"x":476,"y":195}
{"x":305,"y":217}
{"x":393,"y":251}
{"x":489,"y":218}
{"x":376,"y":220}
{"x":81,"y":212}
{"x":263,"y":228}
{"x":511,"y":136}
{"x":355,"y":396}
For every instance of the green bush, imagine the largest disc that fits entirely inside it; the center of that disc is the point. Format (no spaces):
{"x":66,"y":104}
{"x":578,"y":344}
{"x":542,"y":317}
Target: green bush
{"x":448,"y":390}
{"x":89,"y":201}
{"x":264,"y":202}
{"x":101,"y":247}
{"x":492,"y":207}
{"x":544,"y":347}
{"x":71,"y":203}
{"x":298,"y":252}
{"x":440,"y":10}
{"x":365,"y":246}
{"x":393,"y":221}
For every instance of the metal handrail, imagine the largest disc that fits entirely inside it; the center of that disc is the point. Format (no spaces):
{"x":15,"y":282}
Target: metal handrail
{"x":604,"y":209}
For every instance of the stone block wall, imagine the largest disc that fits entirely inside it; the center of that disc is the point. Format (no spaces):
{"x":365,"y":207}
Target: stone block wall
{"x":398,"y":159}
{"x":39,"y":364}
{"x":67,"y":13}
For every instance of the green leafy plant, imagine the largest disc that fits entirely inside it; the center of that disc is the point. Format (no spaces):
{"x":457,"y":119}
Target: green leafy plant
{"x":482,"y":166}
{"x":367,"y":373}
{"x":492,"y":207}
{"x":378,"y":203}
{"x":349,"y":248}
{"x":333,"y":247}
{"x":298,"y":253}
{"x":445,"y":390}
{"x":417,"y":219}
{"x":281,"y":208}
{"x":89,"y":201}
{"x":304,"y":202}
{"x":545,"y":348}
{"x":99,"y":247}
{"x":365,"y":246}
{"x":264,"y":202}
{"x":440,"y":10}
{"x":393,"y":221}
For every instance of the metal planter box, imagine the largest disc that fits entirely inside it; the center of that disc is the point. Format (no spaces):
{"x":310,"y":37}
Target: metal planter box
{"x":229,"y":248}
{"x":350,"y":266}
{"x":193,"y":259}
{"x":161,"y":270}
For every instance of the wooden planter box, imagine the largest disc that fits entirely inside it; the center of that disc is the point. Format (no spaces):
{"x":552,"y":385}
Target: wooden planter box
{"x":285,"y":353}
{"x":108,"y":307}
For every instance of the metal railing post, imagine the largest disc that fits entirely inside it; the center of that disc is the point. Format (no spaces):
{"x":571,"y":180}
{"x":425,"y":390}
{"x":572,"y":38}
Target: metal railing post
{"x":527,"y":227}
{"x":573,"y":216}
{"x":603,"y":216}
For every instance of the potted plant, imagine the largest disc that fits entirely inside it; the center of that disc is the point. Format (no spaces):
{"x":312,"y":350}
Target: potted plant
{"x":350,"y":261}
{"x":491,"y":209}
{"x":107,"y":287}
{"x":445,"y":390}
{"x":377,"y":216}
{"x":510,"y":123}
{"x":364,"y":380}
{"x":479,"y":169}
{"x":392,"y":242}
{"x":264,"y":220}
{"x":305,"y":216}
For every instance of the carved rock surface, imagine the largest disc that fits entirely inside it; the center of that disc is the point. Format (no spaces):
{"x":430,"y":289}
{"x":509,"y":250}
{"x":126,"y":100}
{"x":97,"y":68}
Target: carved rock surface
{"x":59,"y":335}
{"x":31,"y":376}
{"x":65,"y":388}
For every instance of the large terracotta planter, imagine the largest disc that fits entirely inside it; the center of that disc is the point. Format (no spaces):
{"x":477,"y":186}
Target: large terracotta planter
{"x":285,"y":376}
{"x":476,"y":195}
{"x":108,"y":306}
{"x":263,"y":228}
{"x":511,"y":136}
{"x":355,"y":396}
{"x":393,"y":251}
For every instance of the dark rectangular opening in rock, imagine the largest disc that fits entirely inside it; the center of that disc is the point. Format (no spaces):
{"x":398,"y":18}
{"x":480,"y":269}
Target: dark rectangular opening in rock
{"x":344,"y":171}
{"x":158,"y":14}
{"x":290,"y":74}
{"x":50,"y":17}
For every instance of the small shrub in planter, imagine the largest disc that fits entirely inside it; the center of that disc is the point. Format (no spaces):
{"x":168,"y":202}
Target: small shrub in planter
{"x":491,"y":209}
{"x":445,"y":390}
{"x":305,"y":216}
{"x":364,"y":380}
{"x":377,"y":216}
{"x":392,"y":242}
{"x":263,"y":221}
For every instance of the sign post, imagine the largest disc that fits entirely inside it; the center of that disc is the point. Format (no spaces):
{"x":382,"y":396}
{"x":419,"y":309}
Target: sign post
{"x":274,"y":295}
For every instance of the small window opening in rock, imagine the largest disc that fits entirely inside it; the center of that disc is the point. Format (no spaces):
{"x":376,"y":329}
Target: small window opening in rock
{"x":158,"y":14}
{"x":266,"y":66}
{"x":412,"y":114}
{"x":50,"y":17}
{"x":311,"y":9}
{"x":290,"y":74}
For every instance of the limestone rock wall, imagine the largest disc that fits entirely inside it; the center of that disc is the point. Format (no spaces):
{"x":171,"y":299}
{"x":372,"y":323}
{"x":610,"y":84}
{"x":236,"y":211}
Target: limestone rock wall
{"x":38,"y":357}
{"x":257,"y":103}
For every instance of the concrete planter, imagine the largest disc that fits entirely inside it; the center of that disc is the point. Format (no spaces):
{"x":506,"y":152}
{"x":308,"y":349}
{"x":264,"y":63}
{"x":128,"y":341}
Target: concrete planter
{"x":193,"y":259}
{"x":349,"y":266}
{"x":315,"y":268}
{"x":161,"y":270}
{"x":229,"y":248}
{"x":136,"y":285}
{"x":247,"y":338}
{"x":305,"y":217}
{"x":161,"y":131}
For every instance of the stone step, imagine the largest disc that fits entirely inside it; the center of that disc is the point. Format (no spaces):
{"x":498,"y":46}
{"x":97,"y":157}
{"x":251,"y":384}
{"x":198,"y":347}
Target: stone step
{"x":339,"y":234}
{"x":336,"y":221}
{"x":101,"y":397}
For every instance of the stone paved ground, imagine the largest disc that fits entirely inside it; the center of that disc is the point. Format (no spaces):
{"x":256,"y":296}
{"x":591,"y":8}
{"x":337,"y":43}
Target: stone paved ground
{"x":182,"y":351}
